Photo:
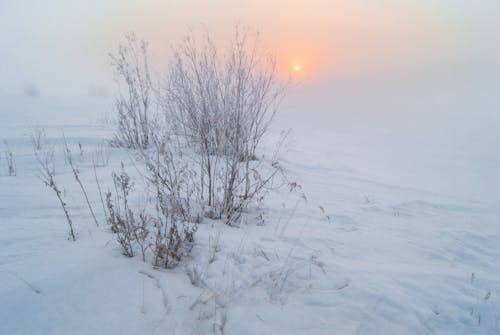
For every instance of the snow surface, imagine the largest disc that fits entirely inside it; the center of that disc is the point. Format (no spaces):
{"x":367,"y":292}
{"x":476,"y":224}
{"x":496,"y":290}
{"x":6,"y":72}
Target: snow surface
{"x":380,"y":239}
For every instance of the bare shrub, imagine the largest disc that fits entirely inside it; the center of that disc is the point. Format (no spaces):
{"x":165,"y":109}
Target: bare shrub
{"x":213,"y":247}
{"x":131,"y":231}
{"x":80,"y":150}
{"x":133,"y":104}
{"x":120,"y":216}
{"x":201,"y":157}
{"x":100,"y":158}
{"x":222,"y":105}
{"x":76,"y":173}
{"x":38,"y":138}
{"x":101,"y":155}
{"x":169,"y":235}
{"x":99,"y":189}
{"x":46,"y":167}
{"x":9,"y":159}
{"x":141,"y":233}
{"x":174,"y":184}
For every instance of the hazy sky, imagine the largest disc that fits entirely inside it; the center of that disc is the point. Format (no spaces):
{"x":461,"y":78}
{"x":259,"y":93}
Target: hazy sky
{"x":61,"y":46}
{"x":425,"y":70}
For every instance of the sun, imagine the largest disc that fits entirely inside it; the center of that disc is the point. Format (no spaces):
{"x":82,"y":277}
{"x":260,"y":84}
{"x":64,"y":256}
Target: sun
{"x":297,"y":68}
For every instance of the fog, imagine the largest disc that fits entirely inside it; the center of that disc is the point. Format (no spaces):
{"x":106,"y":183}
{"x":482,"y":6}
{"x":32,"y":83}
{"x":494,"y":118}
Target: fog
{"x":61,"y":47}
{"x":429,"y":69}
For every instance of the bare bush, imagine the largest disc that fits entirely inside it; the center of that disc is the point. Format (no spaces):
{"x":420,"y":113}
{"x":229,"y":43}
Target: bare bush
{"x":38,"y":138}
{"x":134,"y":105}
{"x":9,"y":159}
{"x":76,"y":173}
{"x":46,"y":167}
{"x":170,"y":233}
{"x":176,"y":220}
{"x":101,"y":155}
{"x":201,"y":157}
{"x":222,"y":105}
{"x":99,"y":189}
{"x":213,"y":247}
{"x":120,"y":216}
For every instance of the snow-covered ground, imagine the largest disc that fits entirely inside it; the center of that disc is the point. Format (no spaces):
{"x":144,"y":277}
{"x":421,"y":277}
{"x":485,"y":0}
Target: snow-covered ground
{"x":392,"y":232}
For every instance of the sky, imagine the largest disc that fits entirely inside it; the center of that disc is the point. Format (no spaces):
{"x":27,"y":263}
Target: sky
{"x":62,"y":47}
{"x":428,"y":69}
{"x":391,"y":58}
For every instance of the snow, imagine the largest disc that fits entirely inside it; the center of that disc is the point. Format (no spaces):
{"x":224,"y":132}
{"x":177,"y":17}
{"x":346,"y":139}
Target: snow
{"x":385,"y":236}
